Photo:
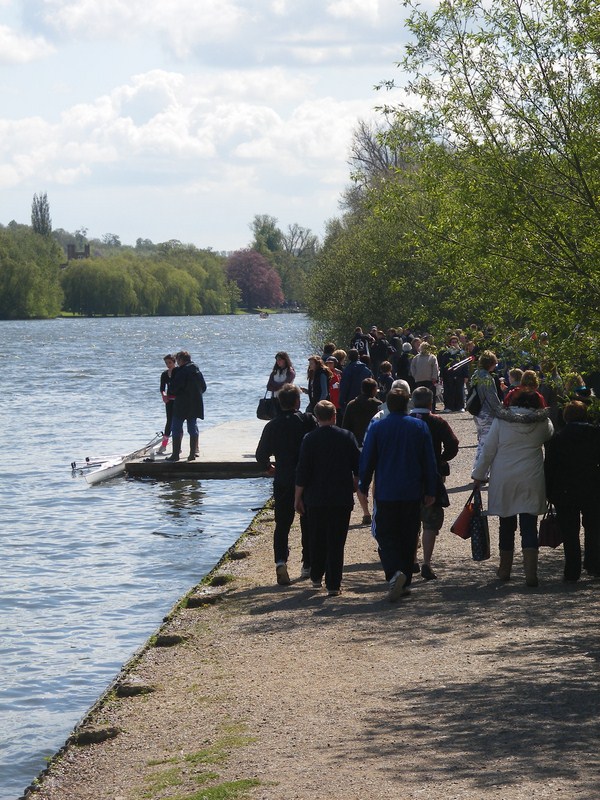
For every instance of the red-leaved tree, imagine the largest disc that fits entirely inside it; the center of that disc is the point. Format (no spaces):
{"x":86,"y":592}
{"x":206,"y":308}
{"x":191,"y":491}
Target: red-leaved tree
{"x":258,"y":281}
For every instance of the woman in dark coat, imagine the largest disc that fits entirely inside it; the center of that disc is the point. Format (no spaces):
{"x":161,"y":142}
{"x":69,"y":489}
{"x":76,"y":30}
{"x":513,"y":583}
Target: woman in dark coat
{"x":572,"y":470}
{"x":188,"y":386}
{"x":318,"y":382}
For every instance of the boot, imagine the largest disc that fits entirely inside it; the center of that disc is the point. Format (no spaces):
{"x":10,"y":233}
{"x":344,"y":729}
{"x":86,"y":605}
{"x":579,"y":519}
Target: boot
{"x":505,"y":566}
{"x":176,"y":449}
{"x":193,"y":448}
{"x":163,"y":445}
{"x":530,"y":562}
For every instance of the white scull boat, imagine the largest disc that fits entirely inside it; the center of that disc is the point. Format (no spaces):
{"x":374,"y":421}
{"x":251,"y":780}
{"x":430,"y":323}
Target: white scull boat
{"x":101,"y":469}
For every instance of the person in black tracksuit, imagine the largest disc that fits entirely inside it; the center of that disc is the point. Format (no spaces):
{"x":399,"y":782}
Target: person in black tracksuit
{"x":326,"y":478}
{"x":168,"y":399}
{"x":281,"y":438}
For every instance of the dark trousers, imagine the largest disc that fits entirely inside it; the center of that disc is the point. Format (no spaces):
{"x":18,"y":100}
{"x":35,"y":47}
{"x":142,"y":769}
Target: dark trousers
{"x":284,"y":516}
{"x":177,"y":426}
{"x":568,"y":517}
{"x":454,"y":393}
{"x":327,"y":530}
{"x":527,"y":527}
{"x":397,"y":526}
{"x":169,"y":413}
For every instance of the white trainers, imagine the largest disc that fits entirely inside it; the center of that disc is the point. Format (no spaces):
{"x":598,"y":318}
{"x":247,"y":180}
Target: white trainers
{"x":397,"y":586}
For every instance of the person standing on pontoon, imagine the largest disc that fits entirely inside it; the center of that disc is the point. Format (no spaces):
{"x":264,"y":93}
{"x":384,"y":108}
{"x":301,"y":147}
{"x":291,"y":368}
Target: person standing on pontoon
{"x":188,"y":386}
{"x":168,"y":399}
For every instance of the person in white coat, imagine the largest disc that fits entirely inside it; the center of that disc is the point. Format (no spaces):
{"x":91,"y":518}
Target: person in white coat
{"x":513,"y":454}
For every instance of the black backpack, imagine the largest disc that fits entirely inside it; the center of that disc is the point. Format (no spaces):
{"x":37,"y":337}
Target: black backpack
{"x":473,"y":403}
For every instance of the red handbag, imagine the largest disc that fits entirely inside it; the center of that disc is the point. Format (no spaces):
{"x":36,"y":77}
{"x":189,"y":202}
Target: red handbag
{"x":461,"y":525}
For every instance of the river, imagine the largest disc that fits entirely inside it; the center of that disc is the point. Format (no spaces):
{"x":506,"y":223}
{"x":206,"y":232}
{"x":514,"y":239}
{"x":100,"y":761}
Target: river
{"x":89,"y":572}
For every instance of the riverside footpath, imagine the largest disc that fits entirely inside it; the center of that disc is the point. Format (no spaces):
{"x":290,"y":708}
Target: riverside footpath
{"x":469,"y":688}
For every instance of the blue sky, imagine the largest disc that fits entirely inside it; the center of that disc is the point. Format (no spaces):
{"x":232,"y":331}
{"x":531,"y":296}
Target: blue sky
{"x":183,"y":119}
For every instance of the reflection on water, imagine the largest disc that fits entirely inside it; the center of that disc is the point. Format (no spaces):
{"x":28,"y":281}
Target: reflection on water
{"x":89,"y":571}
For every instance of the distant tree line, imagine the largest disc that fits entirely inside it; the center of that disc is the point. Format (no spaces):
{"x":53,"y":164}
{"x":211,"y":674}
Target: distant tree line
{"x":166,"y":279}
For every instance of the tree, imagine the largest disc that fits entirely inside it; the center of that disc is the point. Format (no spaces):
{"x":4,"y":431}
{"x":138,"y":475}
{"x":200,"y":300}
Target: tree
{"x":111,"y":240}
{"x":29,"y":274}
{"x":258,"y":281}
{"x":40,"y":215}
{"x":268,"y":238}
{"x":509,"y":95}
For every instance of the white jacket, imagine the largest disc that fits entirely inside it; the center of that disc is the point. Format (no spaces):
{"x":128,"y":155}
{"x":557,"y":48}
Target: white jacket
{"x":425,"y":368}
{"x":514,"y":455}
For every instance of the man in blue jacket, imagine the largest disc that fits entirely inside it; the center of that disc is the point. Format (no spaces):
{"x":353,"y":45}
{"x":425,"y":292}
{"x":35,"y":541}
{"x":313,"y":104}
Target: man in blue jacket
{"x":353,"y":375}
{"x":398,"y":449}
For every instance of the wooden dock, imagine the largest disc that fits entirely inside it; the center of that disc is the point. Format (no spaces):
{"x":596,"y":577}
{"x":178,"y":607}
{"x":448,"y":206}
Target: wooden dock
{"x":226,"y":451}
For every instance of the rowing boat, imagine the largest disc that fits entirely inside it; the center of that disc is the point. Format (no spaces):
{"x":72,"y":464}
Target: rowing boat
{"x":97,"y":470}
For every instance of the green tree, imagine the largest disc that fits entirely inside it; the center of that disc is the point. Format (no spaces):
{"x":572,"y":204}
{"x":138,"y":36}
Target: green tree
{"x":268,"y":238}
{"x":29,"y":274}
{"x":40,"y":215}
{"x":509,"y":93}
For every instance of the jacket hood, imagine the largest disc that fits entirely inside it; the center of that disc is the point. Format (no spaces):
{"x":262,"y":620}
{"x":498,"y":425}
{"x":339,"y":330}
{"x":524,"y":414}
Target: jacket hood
{"x":523,"y":415}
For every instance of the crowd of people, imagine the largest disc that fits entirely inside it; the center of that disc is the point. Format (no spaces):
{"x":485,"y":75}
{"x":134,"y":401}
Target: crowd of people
{"x":371,"y":427}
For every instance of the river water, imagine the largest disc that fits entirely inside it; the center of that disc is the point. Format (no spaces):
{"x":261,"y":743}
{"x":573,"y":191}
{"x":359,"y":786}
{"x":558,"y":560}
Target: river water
{"x":89,"y":572}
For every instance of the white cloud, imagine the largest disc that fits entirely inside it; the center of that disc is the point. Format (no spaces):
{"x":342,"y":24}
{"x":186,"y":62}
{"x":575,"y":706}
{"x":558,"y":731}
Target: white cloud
{"x":211,"y":31}
{"x":19,"y":49}
{"x":179,"y":119}
{"x":182,"y":23}
{"x":364,"y":10}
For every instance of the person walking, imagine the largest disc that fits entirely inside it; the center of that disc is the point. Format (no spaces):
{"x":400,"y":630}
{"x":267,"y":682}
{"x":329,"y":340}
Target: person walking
{"x":281,"y":438}
{"x":513,"y":455}
{"x":398,"y":453}
{"x":318,"y":376}
{"x":326,"y":479}
{"x":353,"y":375}
{"x":283,"y":372}
{"x":572,"y":470}
{"x":445,"y":447}
{"x":487,"y":386}
{"x":424,"y":369}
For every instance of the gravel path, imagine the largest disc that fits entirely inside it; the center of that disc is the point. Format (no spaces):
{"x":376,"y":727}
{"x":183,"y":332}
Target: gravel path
{"x":469,"y":688}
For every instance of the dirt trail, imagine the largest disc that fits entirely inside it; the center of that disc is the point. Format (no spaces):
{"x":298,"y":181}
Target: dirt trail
{"x":468,"y":688}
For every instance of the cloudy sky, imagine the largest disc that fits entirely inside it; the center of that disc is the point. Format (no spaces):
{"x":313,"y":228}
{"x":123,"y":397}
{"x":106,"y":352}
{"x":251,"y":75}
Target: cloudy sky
{"x":183,"y":119}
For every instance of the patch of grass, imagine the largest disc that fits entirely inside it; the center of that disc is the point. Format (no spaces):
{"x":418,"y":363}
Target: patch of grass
{"x":189,"y":767}
{"x":163,"y":780}
{"x":228,"y":790}
{"x":218,"y":752}
{"x":205,"y":777}
{"x":155,"y":762}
